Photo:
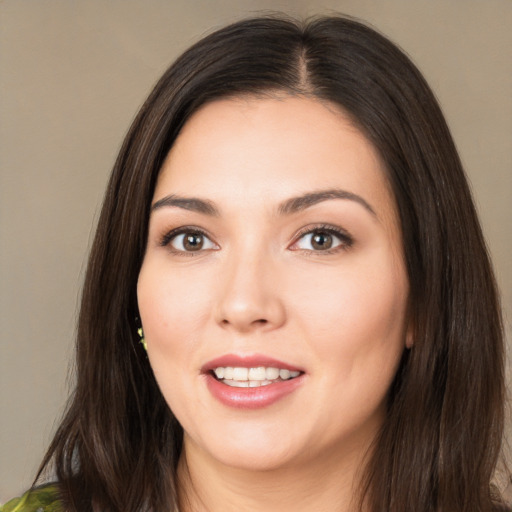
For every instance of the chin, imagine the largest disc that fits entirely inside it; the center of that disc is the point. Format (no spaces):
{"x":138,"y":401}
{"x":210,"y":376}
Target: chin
{"x":249,"y":449}
{"x":255,"y":459}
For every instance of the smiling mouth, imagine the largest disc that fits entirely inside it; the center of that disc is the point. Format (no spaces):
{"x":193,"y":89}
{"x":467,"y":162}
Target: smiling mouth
{"x":241,"y":377}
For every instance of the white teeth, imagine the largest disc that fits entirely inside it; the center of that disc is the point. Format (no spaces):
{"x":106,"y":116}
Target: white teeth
{"x":237,"y":383}
{"x":240,"y":373}
{"x":242,"y":377}
{"x":247,"y":383}
{"x":284,"y":374}
{"x":272,"y":373}
{"x":257,"y":373}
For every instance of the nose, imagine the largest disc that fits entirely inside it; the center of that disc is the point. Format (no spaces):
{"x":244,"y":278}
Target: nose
{"x":249,"y":298}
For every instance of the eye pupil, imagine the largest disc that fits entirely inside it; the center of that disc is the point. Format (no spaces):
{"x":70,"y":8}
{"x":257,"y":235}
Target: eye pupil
{"x":321,"y":241}
{"x":193,"y":242}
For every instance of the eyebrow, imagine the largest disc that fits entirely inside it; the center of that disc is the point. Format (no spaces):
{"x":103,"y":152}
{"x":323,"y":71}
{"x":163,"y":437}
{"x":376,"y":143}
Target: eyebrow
{"x":193,"y":204}
{"x":287,"y":207}
{"x":297,"y":204}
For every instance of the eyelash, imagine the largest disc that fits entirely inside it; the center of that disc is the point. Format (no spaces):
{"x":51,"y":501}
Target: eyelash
{"x":346,"y":240}
{"x":188,"y":230}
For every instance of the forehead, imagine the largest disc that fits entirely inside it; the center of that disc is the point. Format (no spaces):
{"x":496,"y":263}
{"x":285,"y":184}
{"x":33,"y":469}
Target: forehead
{"x":259,"y":150}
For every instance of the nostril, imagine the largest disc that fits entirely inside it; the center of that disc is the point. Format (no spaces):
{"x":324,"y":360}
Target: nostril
{"x":261,"y":321}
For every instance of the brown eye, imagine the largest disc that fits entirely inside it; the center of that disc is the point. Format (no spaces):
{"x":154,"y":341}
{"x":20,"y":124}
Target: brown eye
{"x":326,"y":239}
{"x":193,"y":242}
{"x":190,"y":241}
{"x":321,"y":241}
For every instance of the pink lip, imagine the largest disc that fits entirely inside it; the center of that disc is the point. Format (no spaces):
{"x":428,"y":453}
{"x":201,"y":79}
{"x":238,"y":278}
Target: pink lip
{"x":250,"y":398}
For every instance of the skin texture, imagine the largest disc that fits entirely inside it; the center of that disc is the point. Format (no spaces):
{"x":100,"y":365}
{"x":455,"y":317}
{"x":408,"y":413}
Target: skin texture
{"x":259,"y":286}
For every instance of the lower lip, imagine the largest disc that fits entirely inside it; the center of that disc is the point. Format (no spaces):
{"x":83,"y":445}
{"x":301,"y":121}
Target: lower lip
{"x":252,"y":398}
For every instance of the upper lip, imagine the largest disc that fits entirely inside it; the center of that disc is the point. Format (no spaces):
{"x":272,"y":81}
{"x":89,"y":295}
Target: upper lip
{"x":248,"y":361}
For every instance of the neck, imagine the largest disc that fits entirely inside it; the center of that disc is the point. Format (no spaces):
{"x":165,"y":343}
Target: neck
{"x":328,"y":484}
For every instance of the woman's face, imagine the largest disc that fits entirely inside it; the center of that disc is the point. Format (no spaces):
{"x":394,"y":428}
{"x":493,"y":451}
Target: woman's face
{"x":274,"y":260}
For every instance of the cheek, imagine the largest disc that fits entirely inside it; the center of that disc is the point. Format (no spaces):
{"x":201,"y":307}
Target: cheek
{"x":170,"y":301}
{"x":357,"y":315}
{"x":170,"y":309}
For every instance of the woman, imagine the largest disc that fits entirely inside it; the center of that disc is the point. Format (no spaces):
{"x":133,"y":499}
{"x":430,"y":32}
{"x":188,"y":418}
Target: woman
{"x":288,"y":304}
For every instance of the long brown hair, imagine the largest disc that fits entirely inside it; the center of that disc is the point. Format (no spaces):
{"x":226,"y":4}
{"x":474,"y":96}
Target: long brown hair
{"x":118,"y":445}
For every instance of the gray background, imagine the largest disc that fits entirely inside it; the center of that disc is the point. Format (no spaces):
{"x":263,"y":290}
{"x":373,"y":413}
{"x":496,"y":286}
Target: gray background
{"x":72,"y":75}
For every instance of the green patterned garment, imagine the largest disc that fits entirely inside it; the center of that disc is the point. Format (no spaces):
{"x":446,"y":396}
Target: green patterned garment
{"x":41,"y":499}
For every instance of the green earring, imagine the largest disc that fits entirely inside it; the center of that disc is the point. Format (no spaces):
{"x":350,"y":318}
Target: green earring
{"x":142,"y":339}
